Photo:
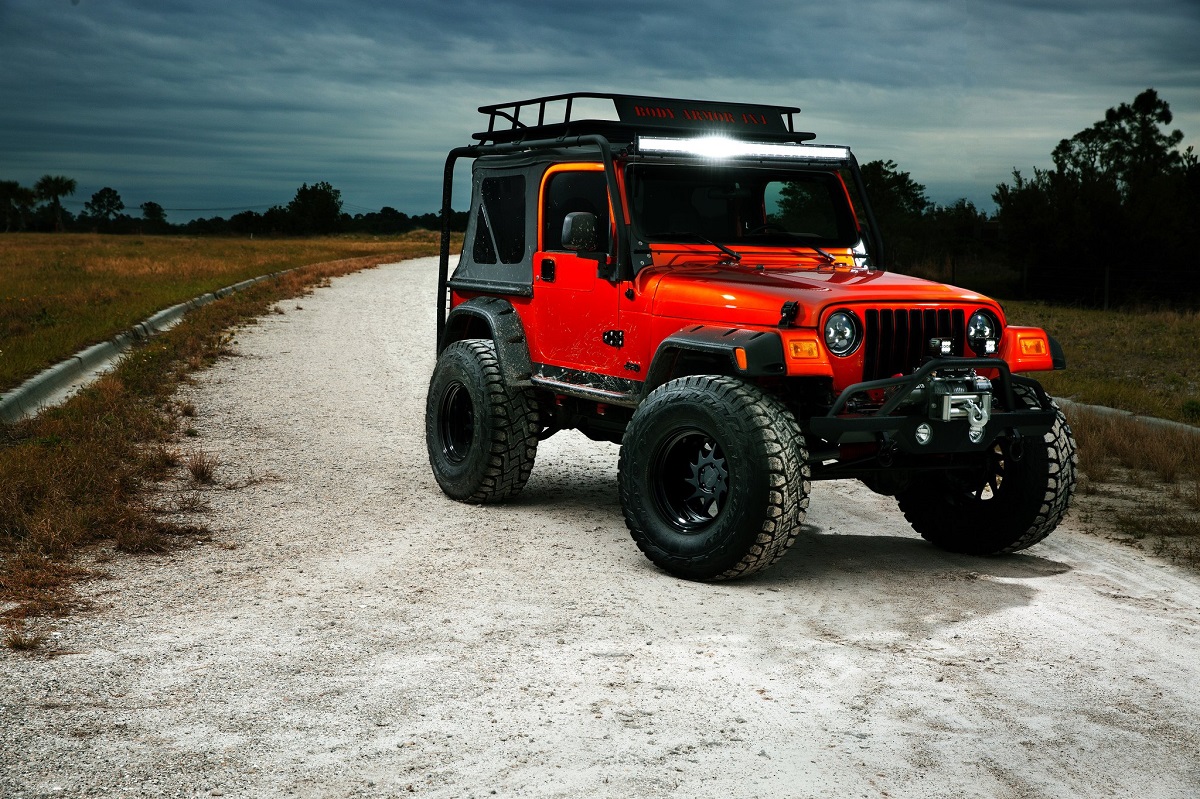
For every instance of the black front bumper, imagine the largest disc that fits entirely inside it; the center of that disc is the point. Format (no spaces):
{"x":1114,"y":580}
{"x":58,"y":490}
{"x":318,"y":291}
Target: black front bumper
{"x":912,"y":407}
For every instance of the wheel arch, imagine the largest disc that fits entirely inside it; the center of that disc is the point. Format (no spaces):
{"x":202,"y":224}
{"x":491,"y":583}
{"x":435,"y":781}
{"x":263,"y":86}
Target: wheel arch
{"x":496,"y":319}
{"x":711,"y":349}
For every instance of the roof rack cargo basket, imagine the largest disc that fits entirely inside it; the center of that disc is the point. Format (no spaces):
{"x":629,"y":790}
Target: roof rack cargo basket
{"x":620,"y":117}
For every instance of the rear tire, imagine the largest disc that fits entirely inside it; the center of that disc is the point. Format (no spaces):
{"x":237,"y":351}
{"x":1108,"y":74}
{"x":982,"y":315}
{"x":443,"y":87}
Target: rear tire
{"x":714,"y":478}
{"x":481,"y":433}
{"x":1006,"y":506}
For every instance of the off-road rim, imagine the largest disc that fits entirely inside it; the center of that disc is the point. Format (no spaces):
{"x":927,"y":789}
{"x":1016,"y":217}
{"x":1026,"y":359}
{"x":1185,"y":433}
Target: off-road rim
{"x":988,"y":486}
{"x":456,"y":422}
{"x":690,"y":479}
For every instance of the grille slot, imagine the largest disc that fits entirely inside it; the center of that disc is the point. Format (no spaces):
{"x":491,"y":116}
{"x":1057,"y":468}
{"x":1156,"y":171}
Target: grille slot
{"x":895,"y":340}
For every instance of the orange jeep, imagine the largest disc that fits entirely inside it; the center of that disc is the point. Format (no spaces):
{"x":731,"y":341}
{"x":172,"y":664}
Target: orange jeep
{"x":693,"y":281}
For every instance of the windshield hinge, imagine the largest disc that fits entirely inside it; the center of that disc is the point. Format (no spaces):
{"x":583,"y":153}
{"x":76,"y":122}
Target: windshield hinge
{"x":788,"y":313}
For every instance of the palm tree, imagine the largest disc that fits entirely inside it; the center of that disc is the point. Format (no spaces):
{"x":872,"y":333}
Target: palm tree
{"x":16,"y":201}
{"x":53,"y":187}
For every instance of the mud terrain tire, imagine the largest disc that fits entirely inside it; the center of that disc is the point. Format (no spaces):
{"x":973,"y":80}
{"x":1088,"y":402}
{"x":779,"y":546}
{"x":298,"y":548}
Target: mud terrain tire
{"x":714,"y":478}
{"x":1012,"y":504}
{"x":481,"y":433}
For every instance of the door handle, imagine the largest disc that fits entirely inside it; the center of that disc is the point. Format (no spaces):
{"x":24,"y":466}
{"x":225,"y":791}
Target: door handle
{"x":547,"y":270}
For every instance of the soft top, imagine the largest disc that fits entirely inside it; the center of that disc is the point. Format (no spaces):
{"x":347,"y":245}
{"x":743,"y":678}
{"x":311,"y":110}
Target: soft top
{"x":621,"y":117}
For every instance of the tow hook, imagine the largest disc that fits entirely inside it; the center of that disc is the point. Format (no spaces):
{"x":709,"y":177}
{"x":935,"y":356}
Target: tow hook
{"x":1016,"y":446}
{"x":977,"y":418}
{"x":887,"y":454}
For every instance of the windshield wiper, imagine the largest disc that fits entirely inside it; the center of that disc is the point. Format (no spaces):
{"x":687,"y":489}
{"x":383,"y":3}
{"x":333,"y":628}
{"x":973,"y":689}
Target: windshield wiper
{"x":828,"y":258}
{"x":736,"y":256}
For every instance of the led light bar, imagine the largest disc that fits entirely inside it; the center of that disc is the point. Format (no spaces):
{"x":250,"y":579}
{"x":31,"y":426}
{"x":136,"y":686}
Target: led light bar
{"x":718,"y":147}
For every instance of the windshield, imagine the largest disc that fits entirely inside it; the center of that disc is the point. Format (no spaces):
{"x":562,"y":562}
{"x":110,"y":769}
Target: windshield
{"x":746,"y":206}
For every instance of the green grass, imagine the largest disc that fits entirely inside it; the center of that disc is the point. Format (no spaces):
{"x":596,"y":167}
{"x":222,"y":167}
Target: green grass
{"x":1145,"y":362}
{"x":61,"y":292}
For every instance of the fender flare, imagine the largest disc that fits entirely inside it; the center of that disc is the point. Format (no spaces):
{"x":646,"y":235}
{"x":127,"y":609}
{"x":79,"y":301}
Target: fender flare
{"x":763,"y":353}
{"x":496,"y":319}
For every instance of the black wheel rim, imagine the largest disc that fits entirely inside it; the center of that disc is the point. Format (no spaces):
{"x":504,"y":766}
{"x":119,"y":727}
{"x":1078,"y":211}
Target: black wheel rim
{"x":997,"y":462}
{"x":690,"y":479}
{"x":986,"y":484}
{"x":456,"y":422}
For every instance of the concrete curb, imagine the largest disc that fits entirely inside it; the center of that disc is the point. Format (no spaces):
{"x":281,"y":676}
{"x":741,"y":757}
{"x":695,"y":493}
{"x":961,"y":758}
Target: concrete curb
{"x":48,"y":387}
{"x":1153,"y":421}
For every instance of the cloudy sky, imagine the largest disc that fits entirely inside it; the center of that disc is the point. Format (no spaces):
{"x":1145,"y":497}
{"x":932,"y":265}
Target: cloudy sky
{"x":215,"y":106}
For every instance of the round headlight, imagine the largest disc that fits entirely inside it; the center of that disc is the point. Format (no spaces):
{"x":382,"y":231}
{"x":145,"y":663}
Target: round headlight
{"x":983,"y":333}
{"x":842,"y":333}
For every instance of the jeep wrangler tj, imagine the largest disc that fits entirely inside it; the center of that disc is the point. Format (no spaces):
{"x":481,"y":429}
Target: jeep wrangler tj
{"x":694,"y":281}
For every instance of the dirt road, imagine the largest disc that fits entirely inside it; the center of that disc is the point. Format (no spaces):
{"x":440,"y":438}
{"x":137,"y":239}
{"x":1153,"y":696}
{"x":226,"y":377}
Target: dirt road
{"x":351,"y":632}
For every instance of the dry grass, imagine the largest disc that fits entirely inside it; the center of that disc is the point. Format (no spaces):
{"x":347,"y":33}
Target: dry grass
{"x":1139,"y":361}
{"x":84,"y":473}
{"x":1107,"y":443}
{"x":23,"y":642}
{"x":202,"y":467}
{"x":60,"y":292}
{"x":1141,"y":483}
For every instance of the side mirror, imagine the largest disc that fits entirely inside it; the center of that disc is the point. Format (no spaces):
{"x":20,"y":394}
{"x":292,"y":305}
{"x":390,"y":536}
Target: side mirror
{"x":579,"y":232}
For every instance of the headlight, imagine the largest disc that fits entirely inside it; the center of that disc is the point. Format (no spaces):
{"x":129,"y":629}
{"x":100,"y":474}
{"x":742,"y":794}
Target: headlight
{"x":983,"y":333}
{"x":842,"y":333}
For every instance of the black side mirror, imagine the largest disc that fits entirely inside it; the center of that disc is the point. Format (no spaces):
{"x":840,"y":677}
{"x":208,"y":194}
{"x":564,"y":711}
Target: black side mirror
{"x":579,"y":232}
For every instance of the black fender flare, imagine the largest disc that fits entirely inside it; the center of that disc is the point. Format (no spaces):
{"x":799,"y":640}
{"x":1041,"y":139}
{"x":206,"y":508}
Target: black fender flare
{"x":496,"y":319}
{"x":763,"y":353}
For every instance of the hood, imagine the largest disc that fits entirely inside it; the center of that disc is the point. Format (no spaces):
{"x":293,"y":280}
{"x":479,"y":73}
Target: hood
{"x":743,"y":294}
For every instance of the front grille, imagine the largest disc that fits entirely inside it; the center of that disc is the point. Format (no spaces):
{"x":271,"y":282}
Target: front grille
{"x":895,"y":340}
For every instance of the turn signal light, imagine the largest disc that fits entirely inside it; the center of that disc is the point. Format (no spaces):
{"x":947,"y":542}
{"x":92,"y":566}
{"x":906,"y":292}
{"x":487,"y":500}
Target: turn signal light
{"x":803,"y":348}
{"x":1033,"y":346}
{"x":739,"y":355}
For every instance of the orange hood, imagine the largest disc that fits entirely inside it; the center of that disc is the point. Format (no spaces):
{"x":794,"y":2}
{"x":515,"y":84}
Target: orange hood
{"x":745,"y":294}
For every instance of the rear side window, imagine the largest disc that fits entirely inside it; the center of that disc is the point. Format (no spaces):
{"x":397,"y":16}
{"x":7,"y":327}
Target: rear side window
{"x":500,"y":226}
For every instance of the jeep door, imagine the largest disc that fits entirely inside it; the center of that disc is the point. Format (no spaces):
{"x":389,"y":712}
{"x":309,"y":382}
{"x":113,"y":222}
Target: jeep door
{"x":573,"y":306}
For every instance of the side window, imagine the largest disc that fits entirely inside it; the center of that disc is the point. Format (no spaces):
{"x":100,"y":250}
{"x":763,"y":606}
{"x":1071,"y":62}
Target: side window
{"x":567,"y":192}
{"x":500,"y":226}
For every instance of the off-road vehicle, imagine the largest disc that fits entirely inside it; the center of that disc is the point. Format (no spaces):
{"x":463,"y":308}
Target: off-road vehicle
{"x":700,"y":283}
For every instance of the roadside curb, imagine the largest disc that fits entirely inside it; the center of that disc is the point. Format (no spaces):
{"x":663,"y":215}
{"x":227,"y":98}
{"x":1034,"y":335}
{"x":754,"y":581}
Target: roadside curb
{"x":1102,"y":410}
{"x":39,"y":391}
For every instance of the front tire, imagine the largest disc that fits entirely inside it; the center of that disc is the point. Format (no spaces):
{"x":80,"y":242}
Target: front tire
{"x":481,"y":433}
{"x":1008,"y":505}
{"x":713,"y":478}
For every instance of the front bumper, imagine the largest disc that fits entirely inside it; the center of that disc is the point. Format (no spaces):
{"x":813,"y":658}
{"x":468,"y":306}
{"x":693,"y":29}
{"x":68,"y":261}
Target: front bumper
{"x":943,"y":407}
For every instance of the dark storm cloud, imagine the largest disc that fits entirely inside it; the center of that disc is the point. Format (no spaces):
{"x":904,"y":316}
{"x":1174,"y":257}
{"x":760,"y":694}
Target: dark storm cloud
{"x":228,"y":104}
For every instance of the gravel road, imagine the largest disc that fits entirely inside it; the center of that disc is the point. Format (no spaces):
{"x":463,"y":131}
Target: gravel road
{"x":348,"y":631}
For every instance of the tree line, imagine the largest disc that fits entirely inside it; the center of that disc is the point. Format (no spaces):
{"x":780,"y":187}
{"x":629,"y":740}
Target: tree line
{"x":315,"y":210}
{"x":1115,"y":221}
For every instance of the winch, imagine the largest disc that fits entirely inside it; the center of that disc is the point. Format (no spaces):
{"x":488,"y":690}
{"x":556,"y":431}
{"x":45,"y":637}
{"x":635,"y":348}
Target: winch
{"x":962,"y":397}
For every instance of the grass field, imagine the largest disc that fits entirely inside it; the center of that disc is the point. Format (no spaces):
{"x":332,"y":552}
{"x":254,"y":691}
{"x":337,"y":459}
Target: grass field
{"x":1140,"y":361}
{"x":61,"y":292}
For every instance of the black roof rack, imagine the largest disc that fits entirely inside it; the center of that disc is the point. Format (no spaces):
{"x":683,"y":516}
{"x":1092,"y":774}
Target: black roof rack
{"x":551,"y":117}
